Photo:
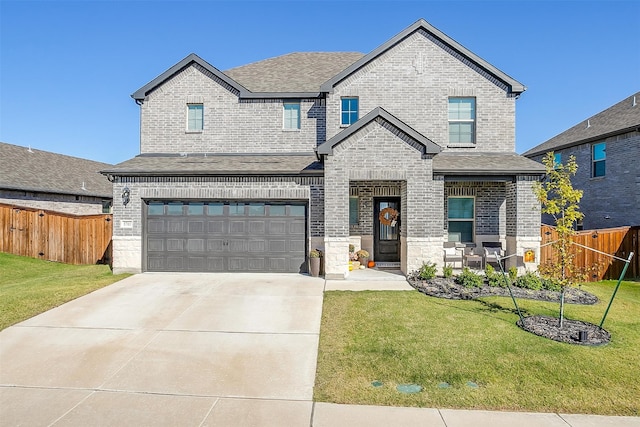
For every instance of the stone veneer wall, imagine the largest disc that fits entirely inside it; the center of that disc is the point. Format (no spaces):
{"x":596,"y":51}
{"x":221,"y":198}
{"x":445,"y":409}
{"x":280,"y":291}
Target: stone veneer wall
{"x":128,"y":228}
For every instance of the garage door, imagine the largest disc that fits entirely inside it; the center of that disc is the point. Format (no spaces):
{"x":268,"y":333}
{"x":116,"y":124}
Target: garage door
{"x":225,"y":236}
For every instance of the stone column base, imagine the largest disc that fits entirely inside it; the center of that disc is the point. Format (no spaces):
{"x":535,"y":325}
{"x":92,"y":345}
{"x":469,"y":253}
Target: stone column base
{"x":418,"y":250}
{"x":336,"y":258}
{"x":127,"y":254}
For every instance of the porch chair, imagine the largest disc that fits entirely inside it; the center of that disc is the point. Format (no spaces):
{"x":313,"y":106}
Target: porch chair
{"x":452,"y":253}
{"x":491,"y":252}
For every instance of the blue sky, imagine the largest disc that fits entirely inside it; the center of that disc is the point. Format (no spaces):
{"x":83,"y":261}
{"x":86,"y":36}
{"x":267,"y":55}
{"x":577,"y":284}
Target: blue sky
{"x":67,"y":69}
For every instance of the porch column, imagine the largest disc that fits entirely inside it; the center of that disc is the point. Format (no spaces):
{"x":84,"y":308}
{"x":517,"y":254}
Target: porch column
{"x":523,"y":223}
{"x":336,"y":220}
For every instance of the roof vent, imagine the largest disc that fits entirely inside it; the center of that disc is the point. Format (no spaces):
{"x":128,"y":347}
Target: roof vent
{"x":633,"y":103}
{"x":588,"y":124}
{"x":83,"y":187}
{"x":29,"y":150}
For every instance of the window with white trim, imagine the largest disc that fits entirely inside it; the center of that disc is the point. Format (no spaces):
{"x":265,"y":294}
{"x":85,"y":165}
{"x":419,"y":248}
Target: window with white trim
{"x":348,"y":111}
{"x":461,"y":218}
{"x":291,"y":115}
{"x":195,"y":117}
{"x":462,"y":120}
{"x":598,"y":159}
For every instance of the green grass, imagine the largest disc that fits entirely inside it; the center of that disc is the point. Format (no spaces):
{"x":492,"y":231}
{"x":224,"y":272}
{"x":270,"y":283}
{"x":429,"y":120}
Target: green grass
{"x":31,"y":286}
{"x":407,"y":337}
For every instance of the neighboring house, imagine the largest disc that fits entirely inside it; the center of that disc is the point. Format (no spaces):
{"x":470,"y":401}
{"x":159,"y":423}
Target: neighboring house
{"x":607,"y":151}
{"x":395,"y":151}
{"x":43,"y":180}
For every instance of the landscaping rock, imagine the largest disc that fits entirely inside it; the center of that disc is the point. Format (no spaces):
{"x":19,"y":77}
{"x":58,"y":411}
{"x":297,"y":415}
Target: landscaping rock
{"x":448,"y":288}
{"x":549,"y":327}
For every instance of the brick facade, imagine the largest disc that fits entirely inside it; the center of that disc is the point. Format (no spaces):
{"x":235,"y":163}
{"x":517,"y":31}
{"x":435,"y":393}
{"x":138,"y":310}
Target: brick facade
{"x":411,"y":80}
{"x":613,"y":199}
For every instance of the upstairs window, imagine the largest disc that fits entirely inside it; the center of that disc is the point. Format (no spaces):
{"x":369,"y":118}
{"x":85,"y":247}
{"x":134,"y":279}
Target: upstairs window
{"x":348,"y":111}
{"x":460,"y":216}
{"x":291,"y":115}
{"x":598,"y":158}
{"x":557,"y":160}
{"x":462,"y":120}
{"x":195,"y":117}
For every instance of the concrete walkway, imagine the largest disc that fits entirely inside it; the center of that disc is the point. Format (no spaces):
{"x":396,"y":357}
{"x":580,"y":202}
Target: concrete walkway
{"x":201,"y":350}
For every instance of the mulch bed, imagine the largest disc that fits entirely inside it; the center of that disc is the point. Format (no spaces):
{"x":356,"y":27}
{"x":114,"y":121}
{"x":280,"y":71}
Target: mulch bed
{"x":544,"y":326}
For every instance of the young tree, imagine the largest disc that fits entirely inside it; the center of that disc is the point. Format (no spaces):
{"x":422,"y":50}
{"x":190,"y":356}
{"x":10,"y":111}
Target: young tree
{"x":560,"y":200}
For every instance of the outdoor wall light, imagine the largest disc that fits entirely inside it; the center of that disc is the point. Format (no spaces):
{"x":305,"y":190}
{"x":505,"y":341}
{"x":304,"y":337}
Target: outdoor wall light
{"x":125,"y":195}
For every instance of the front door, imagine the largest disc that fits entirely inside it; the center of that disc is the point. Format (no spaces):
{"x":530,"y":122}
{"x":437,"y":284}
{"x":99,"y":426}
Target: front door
{"x":386,"y":235}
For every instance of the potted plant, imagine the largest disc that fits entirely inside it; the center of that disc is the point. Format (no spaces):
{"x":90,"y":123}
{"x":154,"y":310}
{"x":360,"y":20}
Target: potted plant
{"x":363,"y":257}
{"x":314,"y":262}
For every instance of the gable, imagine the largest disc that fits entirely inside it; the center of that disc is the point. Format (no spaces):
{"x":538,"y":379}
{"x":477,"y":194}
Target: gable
{"x":446,"y":44}
{"x":404,"y":132}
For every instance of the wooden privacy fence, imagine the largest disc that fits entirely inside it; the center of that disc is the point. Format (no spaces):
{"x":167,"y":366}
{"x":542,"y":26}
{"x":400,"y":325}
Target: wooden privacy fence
{"x":619,"y":241}
{"x":55,"y":236}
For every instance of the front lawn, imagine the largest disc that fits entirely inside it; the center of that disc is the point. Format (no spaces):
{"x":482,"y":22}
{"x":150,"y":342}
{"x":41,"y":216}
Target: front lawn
{"x":31,"y":286}
{"x":450,"y":346}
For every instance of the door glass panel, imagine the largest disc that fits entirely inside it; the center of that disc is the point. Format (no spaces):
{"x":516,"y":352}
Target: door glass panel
{"x":277,"y":210}
{"x":215,"y":208}
{"x":388,"y":232}
{"x":174,"y":208}
{"x":256,"y":209}
{"x":296,"y":210}
{"x":156,"y":208}
{"x":195,"y":208}
{"x":236,"y":208}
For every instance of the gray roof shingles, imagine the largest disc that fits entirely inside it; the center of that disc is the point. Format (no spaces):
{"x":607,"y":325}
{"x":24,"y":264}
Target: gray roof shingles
{"x":294,"y":72}
{"x":485,"y":164}
{"x":620,"y":118}
{"x":219,"y":164}
{"x":34,"y":170}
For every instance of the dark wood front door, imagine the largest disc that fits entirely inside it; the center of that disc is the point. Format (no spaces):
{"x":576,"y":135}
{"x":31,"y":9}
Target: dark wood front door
{"x":386,"y":234}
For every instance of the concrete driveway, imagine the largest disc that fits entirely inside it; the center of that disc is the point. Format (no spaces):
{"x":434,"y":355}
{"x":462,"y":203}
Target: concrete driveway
{"x":168,"y":349}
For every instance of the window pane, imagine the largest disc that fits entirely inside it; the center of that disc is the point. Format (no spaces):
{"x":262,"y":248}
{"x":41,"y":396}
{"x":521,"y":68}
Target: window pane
{"x":277,"y":210}
{"x":195,"y":209}
{"x":236,"y":208}
{"x":353,"y":210}
{"x":215,"y":209}
{"x":599,"y":168}
{"x":195,"y":117}
{"x":460,"y":207}
{"x":296,"y":210}
{"x":174,"y":208}
{"x":460,"y":231}
{"x":461,"y":133}
{"x":256,"y":209}
{"x":349,"y":111}
{"x":462,"y":109}
{"x":156,"y":208}
{"x":599,"y":151}
{"x":292,"y":115}
{"x":557,"y":159}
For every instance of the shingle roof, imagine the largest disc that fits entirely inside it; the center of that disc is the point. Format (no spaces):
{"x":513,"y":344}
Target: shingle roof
{"x":27,"y":169}
{"x":218,"y":164}
{"x":622,"y":117}
{"x":294,"y":72}
{"x":485,"y":164}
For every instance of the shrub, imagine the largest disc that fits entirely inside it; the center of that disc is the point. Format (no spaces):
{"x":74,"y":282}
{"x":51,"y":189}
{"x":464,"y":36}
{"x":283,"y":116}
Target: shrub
{"x":447,"y":271}
{"x":529,"y":281}
{"x":427,"y":271}
{"x":469,"y":279}
{"x":550,"y":284}
{"x":494,"y":278}
{"x":513,"y":274}
{"x":315,"y":253}
{"x":362,"y":254}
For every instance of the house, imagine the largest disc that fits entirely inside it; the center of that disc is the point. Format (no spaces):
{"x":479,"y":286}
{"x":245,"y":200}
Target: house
{"x":607,"y":151}
{"x":395,"y":151}
{"x":44,"y":180}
